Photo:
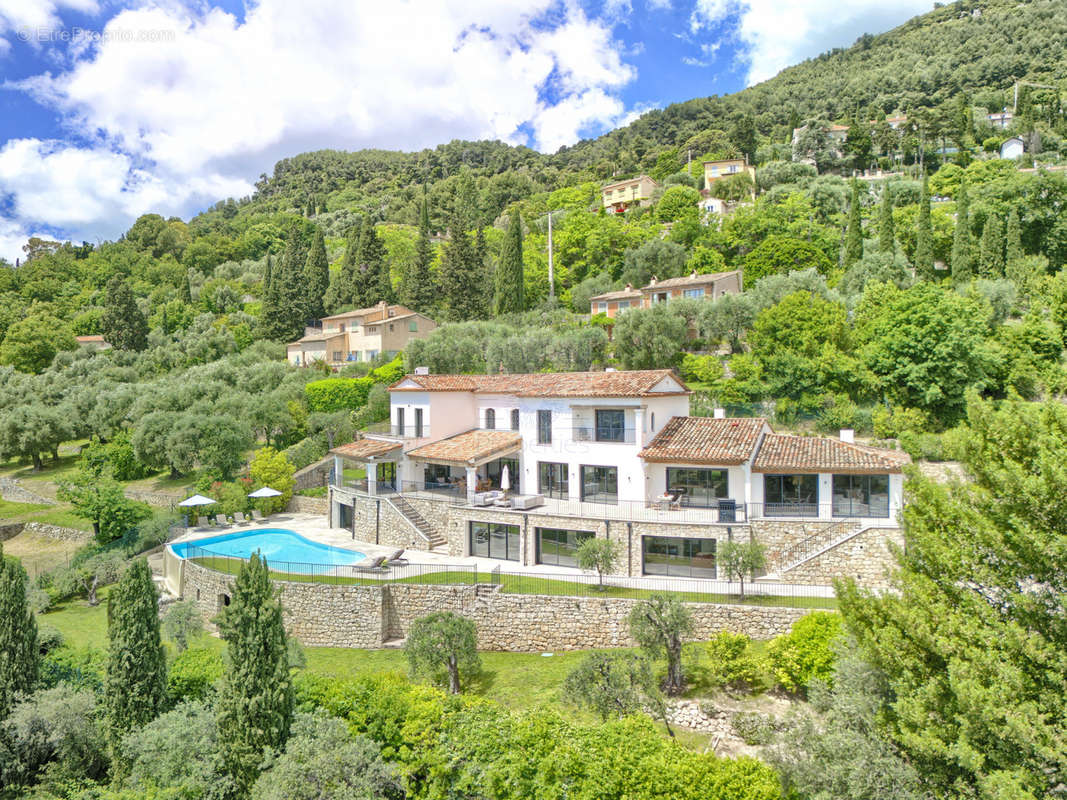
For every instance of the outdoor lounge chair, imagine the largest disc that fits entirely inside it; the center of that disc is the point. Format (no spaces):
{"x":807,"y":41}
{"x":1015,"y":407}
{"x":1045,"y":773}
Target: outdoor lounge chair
{"x":256,"y":516}
{"x":220,"y":520}
{"x":396,"y":559}
{"x":239,"y":518}
{"x":203,"y":522}
{"x":370,"y":565}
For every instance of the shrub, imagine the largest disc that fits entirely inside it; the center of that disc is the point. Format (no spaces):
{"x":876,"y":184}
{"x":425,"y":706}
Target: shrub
{"x":49,"y":638}
{"x":731,"y":661}
{"x":706,"y":369}
{"x":271,"y":468}
{"x":336,"y":394}
{"x":806,"y":652}
{"x":194,"y":673}
{"x":754,"y":728}
{"x":307,"y":451}
{"x":928,"y":446}
{"x":891,"y":424}
{"x":182,"y":622}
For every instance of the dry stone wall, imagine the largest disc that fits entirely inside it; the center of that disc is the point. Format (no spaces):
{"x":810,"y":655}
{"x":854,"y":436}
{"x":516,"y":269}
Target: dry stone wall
{"x":14,"y":492}
{"x":308,"y":505}
{"x":866,"y":557}
{"x":359,"y":616}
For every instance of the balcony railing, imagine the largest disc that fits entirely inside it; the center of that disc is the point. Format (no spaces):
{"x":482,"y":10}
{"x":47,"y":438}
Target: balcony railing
{"x":602,"y":433}
{"x":392,"y":431}
{"x":838,"y":509}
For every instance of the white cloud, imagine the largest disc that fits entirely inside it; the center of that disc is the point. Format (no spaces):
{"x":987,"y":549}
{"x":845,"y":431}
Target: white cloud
{"x":191,"y":117}
{"x":658,"y":5}
{"x":778,"y":33}
{"x":28,"y":20}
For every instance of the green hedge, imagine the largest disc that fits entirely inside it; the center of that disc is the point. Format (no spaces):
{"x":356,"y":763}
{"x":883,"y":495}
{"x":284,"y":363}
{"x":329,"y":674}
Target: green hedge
{"x":338,"y":394}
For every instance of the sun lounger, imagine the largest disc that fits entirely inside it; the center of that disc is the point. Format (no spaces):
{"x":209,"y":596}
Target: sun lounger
{"x":370,"y":565}
{"x":396,"y":559}
{"x":220,"y":519}
{"x":203,"y":522}
{"x":239,"y":518}
{"x":256,"y":516}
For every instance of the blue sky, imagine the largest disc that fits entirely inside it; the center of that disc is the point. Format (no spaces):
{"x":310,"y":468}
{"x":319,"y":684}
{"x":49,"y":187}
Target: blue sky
{"x":112,"y":108}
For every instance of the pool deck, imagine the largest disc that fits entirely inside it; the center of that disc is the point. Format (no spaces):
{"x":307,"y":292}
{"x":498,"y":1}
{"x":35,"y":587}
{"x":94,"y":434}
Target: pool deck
{"x":316,"y":528}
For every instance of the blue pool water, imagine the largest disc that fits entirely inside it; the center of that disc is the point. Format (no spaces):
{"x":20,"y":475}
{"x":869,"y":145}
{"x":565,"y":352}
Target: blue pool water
{"x":277,"y":545}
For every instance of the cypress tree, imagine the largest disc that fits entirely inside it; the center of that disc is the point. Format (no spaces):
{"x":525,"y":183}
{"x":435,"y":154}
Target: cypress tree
{"x":286,"y":293}
{"x":342,"y":291}
{"x":18,"y":635}
{"x":419,"y":291}
{"x":509,"y":275}
{"x":1013,"y":238}
{"x":373,"y":283}
{"x":854,"y":234}
{"x":465,"y":201}
{"x":458,"y":288}
{"x":255,"y":706}
{"x":316,"y":278}
{"x":991,"y":252}
{"x":924,"y":237}
{"x":482,"y":275}
{"x":136,"y":683}
{"x":886,"y":234}
{"x":123,"y":325}
{"x":962,"y":255}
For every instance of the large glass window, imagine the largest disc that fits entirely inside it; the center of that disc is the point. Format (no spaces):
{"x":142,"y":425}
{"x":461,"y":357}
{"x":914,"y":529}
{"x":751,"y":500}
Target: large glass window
{"x":437,"y":476}
{"x":544,"y":427}
{"x":490,"y":418}
{"x":418,"y":422}
{"x":552,"y":480}
{"x":791,"y":495}
{"x":684,"y":558}
{"x":494,"y":470}
{"x":494,"y":540}
{"x":385,"y":473}
{"x":698,"y":487}
{"x":600,"y":484}
{"x":610,"y":425}
{"x":560,"y":547}
{"x":861,"y":495}
{"x":400,"y":422}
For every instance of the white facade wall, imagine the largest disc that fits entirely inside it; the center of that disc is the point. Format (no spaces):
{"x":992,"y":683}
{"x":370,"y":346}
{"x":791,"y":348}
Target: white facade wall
{"x":444,"y":414}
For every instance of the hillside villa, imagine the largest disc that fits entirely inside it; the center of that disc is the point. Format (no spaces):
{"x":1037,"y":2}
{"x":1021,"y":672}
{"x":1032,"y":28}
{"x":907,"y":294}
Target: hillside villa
{"x":523,"y":468}
{"x":363,"y":334}
{"x":692,"y":286}
{"x":621,"y":195}
{"x":726,"y":168}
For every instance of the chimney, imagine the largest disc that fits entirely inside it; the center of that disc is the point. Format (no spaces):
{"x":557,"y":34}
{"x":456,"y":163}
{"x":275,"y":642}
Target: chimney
{"x":629,"y":287}
{"x":848,"y":435}
{"x":653,"y":281}
{"x":720,"y":413}
{"x":422,"y":370}
{"x":610,"y":369}
{"x":694,"y":275}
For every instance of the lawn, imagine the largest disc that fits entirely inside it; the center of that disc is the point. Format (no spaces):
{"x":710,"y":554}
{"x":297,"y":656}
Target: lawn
{"x":59,"y":514}
{"x":40,"y":553}
{"x":518,"y":584}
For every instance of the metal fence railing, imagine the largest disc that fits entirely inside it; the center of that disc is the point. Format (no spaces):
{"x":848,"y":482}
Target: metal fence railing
{"x":516,"y":580}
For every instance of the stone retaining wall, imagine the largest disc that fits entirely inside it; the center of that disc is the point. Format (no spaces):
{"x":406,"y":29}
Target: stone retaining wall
{"x":865,"y":557}
{"x":154,"y":499}
{"x":14,"y":492}
{"x":313,"y":475}
{"x":58,"y":532}
{"x":308,"y":505}
{"x":358,"y":616}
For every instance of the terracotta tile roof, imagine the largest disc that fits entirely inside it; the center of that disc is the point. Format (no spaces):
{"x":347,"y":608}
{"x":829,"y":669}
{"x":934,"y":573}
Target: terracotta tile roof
{"x":627,"y":181}
{"x":621,"y":294}
{"x":364,"y":449}
{"x":703,"y":440}
{"x":471,"y":447}
{"x":806,"y":454}
{"x":689,"y":280}
{"x":624,"y":383}
{"x":362,"y":312}
{"x":87,"y":339}
{"x":318,"y":337}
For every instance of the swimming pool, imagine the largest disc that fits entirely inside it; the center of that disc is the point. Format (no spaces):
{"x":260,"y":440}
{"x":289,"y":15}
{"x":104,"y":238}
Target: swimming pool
{"x":277,"y":545}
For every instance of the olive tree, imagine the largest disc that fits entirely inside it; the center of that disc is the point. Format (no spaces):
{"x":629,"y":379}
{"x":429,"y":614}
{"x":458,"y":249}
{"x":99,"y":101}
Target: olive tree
{"x":659,"y":624}
{"x":443,"y":642}
{"x":740,"y":559}
{"x":598,"y":555}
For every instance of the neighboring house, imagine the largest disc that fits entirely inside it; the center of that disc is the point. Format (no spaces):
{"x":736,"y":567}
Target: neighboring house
{"x":523,"y":468}
{"x":360,"y":335}
{"x":726,"y":168}
{"x":621,"y":195}
{"x":92,"y":342}
{"x":895,"y":123}
{"x":1000,"y":119}
{"x":692,"y":286}
{"x":1013,"y":147}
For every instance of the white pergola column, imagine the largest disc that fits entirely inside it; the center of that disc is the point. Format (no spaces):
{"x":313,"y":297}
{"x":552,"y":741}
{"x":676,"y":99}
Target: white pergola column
{"x":338,"y":471}
{"x":372,"y":478}
{"x":472,"y":483}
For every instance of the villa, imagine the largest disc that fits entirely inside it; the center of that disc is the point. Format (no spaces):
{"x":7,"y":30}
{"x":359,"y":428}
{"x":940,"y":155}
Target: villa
{"x":690,"y":287}
{"x":363,"y":334}
{"x":523,"y":468}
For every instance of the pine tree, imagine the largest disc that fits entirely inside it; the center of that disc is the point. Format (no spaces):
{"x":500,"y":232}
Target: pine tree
{"x":18,"y":635}
{"x":991,"y":252}
{"x":342,"y":291}
{"x":962,"y":247}
{"x":419,"y":290}
{"x":854,"y":235}
{"x":924,"y":237}
{"x":316,"y":279}
{"x":886,"y":234}
{"x":508,"y":297}
{"x":373,"y":282}
{"x":457,"y":283}
{"x":123,"y":325}
{"x":1013,"y":238}
{"x":136,"y":683}
{"x":255,"y":706}
{"x":465,"y":201}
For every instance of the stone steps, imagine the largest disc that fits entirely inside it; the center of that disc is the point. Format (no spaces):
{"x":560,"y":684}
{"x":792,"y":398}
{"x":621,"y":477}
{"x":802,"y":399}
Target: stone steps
{"x":394,"y":644}
{"x":433,"y":536}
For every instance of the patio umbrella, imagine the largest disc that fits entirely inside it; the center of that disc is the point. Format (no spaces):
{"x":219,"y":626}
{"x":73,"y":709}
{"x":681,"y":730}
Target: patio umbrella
{"x":196,"y":500}
{"x":266,"y":491}
{"x":505,"y":478}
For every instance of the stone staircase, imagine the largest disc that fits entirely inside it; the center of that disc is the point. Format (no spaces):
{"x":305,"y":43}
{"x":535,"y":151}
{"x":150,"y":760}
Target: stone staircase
{"x":429,"y":531}
{"x":814,"y":546}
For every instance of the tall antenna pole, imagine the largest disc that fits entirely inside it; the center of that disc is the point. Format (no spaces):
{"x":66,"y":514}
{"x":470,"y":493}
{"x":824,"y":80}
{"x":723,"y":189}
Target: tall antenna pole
{"x":551,"y":266}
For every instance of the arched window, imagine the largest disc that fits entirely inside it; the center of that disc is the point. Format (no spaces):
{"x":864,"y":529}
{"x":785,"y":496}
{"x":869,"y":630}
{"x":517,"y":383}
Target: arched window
{"x":490,"y":418}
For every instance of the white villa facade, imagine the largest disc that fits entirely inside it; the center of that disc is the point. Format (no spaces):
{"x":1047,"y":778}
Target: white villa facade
{"x":521,"y":468}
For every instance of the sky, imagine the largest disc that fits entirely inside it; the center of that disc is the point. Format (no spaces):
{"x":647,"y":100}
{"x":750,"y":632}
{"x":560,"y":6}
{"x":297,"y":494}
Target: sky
{"x":114,"y":108}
